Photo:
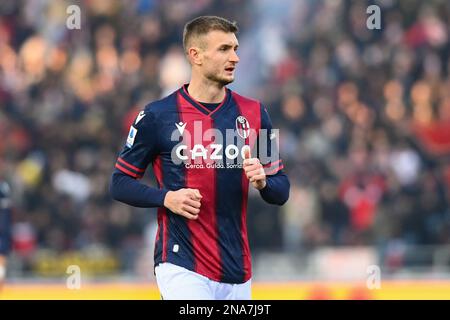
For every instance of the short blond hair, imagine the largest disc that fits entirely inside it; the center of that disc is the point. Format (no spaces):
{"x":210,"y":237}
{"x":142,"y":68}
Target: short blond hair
{"x":204,"y":24}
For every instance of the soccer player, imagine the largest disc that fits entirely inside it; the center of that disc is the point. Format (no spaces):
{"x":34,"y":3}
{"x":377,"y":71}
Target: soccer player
{"x":205,"y":143}
{"x":5,"y":228}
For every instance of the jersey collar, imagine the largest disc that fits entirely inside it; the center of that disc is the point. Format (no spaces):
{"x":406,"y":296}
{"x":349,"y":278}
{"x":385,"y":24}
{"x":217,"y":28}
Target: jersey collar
{"x":199,"y":106}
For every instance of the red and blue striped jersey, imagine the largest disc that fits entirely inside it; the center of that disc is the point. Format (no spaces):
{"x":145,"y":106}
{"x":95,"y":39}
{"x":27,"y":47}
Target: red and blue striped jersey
{"x":190,"y":146}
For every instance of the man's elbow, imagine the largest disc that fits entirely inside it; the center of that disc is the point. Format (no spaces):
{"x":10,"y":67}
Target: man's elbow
{"x":285,"y":195}
{"x":114,"y":187}
{"x":278,"y":201}
{"x":278,"y":192}
{"x":283,"y":198}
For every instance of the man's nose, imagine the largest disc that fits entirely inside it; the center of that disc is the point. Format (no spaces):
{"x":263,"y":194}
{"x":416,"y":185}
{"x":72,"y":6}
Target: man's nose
{"x":234,"y":57}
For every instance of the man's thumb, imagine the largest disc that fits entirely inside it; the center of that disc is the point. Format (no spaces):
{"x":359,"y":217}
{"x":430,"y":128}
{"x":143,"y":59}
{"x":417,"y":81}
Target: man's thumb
{"x":246,"y":152}
{"x":197,"y":194}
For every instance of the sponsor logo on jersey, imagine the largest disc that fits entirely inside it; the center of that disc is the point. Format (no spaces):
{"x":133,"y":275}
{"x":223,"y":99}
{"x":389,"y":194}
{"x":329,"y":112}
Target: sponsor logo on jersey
{"x":139,"y":117}
{"x":205,"y":147}
{"x":131,"y":136}
{"x":180,"y":127}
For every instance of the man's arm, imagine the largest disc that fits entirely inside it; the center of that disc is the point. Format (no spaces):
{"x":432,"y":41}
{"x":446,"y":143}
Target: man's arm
{"x":269,"y":179}
{"x":140,"y":149}
{"x":128,"y":190}
{"x":276,"y":190}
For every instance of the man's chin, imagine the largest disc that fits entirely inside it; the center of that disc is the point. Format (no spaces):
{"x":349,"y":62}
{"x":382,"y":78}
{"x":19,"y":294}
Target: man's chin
{"x":223,"y":80}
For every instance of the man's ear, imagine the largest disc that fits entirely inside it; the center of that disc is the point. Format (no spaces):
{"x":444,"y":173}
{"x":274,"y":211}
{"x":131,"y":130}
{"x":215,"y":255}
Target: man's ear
{"x":195,"y":55}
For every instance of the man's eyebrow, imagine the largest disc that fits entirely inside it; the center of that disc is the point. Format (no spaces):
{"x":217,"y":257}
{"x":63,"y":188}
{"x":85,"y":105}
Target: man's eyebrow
{"x":227,"y":45}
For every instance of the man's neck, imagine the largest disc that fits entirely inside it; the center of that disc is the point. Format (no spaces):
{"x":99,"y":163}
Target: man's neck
{"x":206,"y":91}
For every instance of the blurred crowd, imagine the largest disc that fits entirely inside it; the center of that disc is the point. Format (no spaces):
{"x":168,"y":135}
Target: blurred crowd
{"x":364,"y":117}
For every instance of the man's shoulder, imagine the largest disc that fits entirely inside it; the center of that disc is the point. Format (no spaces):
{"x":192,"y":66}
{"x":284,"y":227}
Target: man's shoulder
{"x":245,"y":100}
{"x":155,"y":111}
{"x":161,"y":105}
{"x":254,"y":106}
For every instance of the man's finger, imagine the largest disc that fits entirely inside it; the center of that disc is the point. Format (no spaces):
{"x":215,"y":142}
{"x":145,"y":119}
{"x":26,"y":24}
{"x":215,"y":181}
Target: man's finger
{"x":191,"y":210}
{"x":197,"y":193}
{"x":193,"y":203}
{"x":251,"y":161}
{"x":252,"y":167}
{"x":257,"y":171}
{"x":188,"y":215}
{"x":257,"y":177}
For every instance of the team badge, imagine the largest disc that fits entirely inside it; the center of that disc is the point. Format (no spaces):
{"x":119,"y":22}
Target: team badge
{"x":242,"y":127}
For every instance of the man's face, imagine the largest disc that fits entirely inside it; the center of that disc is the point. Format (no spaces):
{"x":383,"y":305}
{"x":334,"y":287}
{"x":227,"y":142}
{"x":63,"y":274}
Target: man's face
{"x":219,"y":57}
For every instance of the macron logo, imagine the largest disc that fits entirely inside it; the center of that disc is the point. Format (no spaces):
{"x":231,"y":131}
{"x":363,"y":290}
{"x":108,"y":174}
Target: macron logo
{"x":140,"y":116}
{"x":180,"y":127}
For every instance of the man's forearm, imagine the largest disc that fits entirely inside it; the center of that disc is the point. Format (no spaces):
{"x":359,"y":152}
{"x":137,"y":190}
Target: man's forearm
{"x":276,"y":190}
{"x":126,"y":189}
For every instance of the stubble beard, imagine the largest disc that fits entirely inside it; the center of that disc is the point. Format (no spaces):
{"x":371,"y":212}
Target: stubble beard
{"x":218,"y":79}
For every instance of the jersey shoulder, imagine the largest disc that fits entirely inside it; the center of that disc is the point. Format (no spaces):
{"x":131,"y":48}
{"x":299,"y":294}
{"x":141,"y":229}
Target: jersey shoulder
{"x":245,"y":101}
{"x":162,"y":105}
{"x":155,"y":111}
{"x":254,"y":106}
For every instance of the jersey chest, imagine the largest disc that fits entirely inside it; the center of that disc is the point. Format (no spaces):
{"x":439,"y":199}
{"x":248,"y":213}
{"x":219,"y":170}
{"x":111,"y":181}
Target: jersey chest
{"x":191,"y":137}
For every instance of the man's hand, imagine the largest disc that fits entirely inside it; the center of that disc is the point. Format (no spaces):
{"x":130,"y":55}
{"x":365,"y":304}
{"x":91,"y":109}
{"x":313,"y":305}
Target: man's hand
{"x":254,"y":170}
{"x":185,"y":202}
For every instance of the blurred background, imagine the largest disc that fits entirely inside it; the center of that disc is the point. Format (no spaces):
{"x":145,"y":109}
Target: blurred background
{"x":364,"y":119}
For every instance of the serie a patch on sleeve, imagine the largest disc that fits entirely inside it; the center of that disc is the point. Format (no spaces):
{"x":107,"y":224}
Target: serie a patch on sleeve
{"x":131,"y":136}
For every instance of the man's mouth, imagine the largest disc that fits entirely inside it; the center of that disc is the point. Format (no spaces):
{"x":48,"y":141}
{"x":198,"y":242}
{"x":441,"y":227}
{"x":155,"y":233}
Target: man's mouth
{"x":229,"y":69}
